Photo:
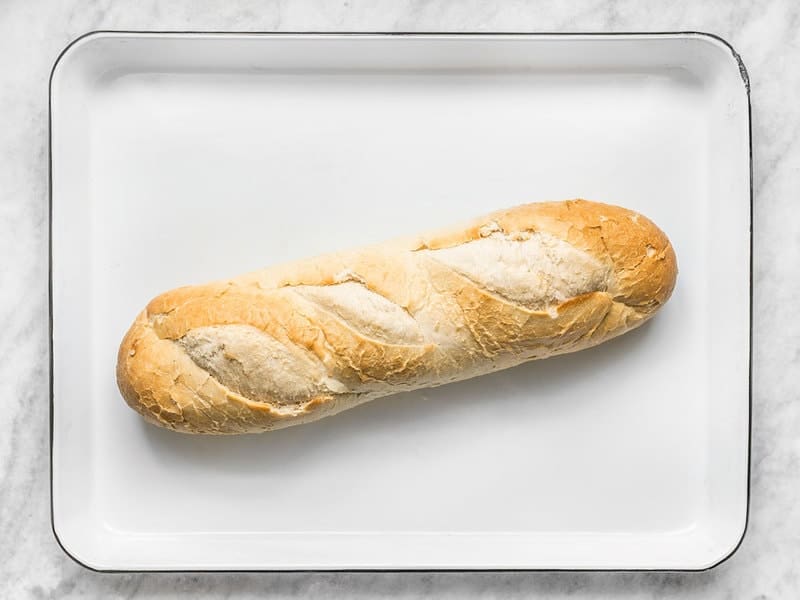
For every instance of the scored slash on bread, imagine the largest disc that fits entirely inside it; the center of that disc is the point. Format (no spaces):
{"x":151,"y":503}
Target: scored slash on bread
{"x":297,"y":342}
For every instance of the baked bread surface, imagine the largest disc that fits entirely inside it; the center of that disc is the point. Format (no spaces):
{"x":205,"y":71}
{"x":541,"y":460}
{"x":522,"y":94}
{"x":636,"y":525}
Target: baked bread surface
{"x":297,"y":342}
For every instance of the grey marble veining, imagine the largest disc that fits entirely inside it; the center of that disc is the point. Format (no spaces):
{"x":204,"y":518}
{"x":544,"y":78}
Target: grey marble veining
{"x":767,"y":35}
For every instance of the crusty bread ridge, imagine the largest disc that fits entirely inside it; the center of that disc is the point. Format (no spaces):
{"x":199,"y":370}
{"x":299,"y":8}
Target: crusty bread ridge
{"x":298,"y":342}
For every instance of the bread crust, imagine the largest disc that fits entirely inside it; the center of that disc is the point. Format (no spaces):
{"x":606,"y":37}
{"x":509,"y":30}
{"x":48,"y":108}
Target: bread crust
{"x":459,"y":327}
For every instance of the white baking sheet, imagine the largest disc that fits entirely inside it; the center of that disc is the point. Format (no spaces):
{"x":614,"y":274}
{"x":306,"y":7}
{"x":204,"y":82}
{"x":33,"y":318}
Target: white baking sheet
{"x":179,"y":158}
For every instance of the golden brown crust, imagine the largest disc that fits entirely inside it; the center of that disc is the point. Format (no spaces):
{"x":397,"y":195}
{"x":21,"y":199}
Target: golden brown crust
{"x":601,"y":229}
{"x":165,"y":385}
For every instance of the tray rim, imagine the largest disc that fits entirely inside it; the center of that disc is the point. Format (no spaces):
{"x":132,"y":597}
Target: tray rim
{"x":703,"y":35}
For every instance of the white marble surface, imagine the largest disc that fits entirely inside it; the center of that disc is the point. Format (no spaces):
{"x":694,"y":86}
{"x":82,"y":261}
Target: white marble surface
{"x":767,"y":35}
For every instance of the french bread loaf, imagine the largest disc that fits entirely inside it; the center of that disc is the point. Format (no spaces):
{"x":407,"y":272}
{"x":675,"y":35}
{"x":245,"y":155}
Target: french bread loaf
{"x":298,"y":342}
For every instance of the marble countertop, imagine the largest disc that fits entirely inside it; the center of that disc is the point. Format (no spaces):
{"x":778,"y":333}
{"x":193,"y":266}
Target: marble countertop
{"x":32,"y":33}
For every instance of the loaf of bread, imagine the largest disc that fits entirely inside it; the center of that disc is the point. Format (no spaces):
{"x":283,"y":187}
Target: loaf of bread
{"x":298,"y":342}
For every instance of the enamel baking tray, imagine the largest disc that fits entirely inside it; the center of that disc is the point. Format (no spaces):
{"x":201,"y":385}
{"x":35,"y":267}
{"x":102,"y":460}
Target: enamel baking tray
{"x":180,"y":158}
